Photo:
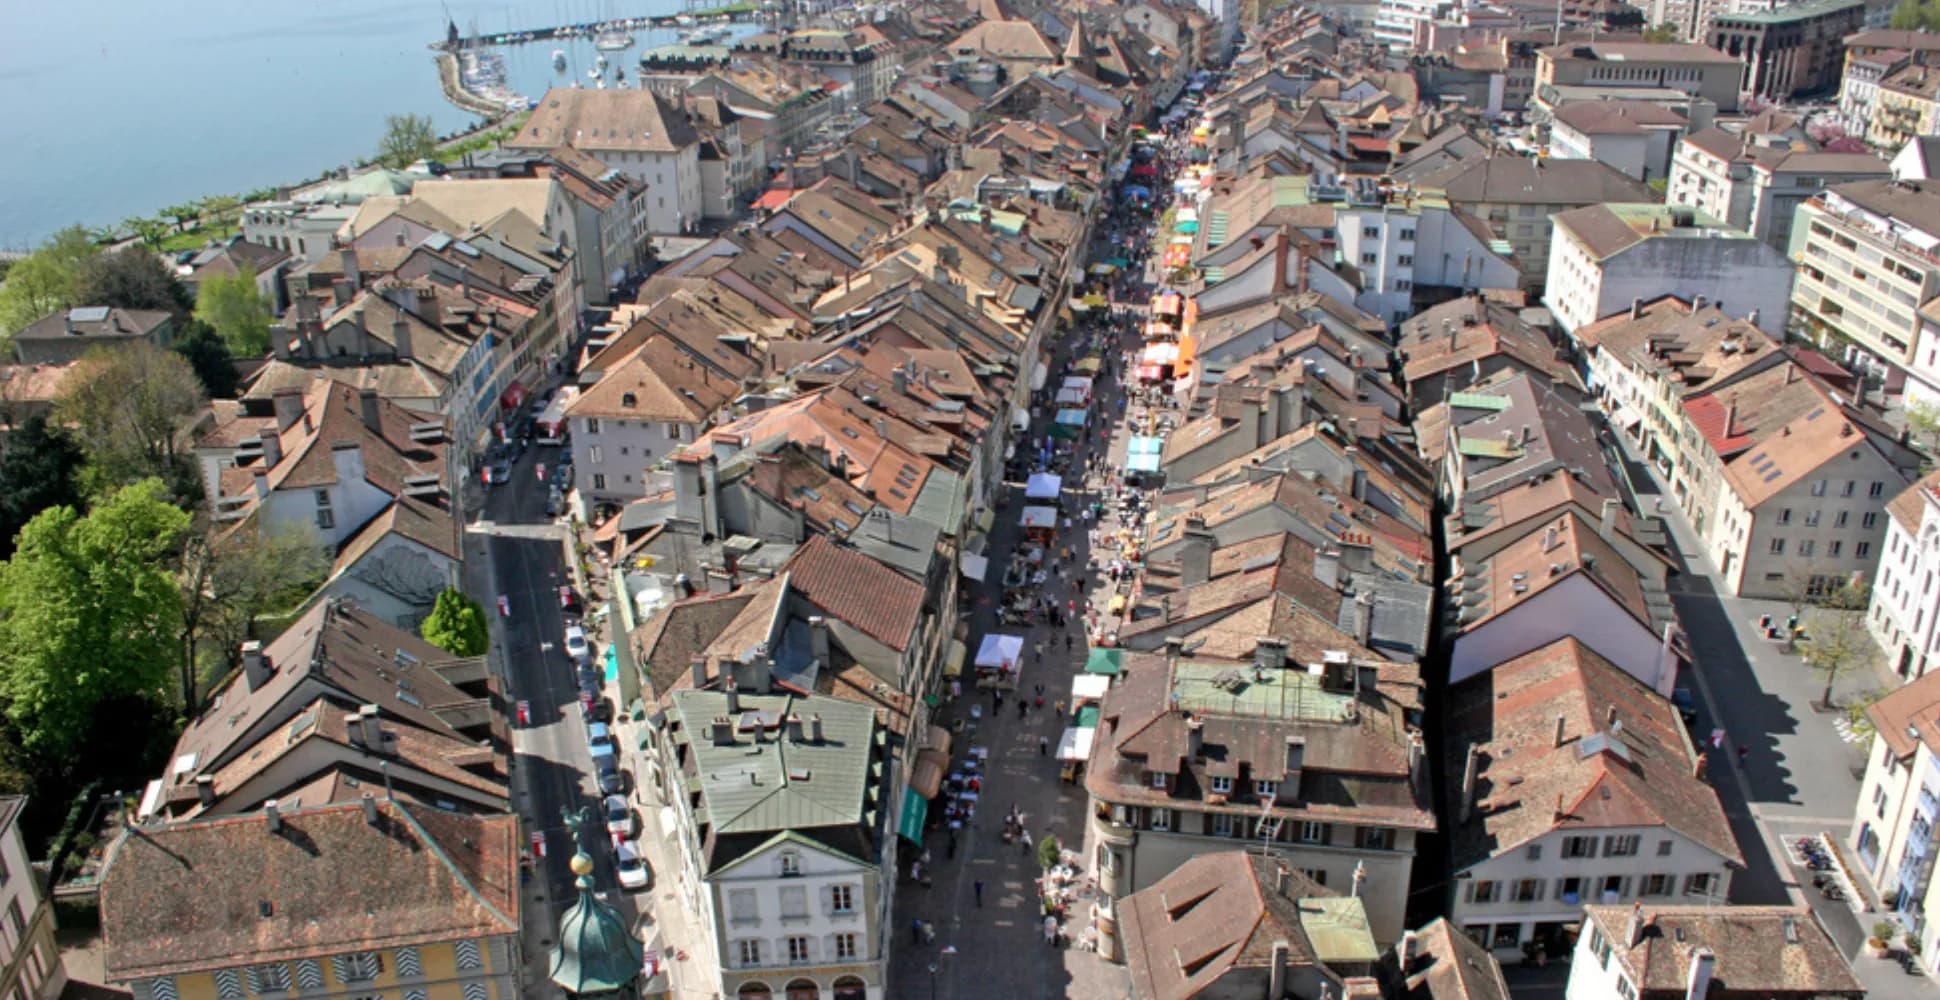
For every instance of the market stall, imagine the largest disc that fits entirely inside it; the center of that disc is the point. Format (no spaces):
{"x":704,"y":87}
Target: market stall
{"x":1089,"y":687}
{"x":1044,"y":487}
{"x":999,"y":660}
{"x":1073,"y":418}
{"x":1079,"y":384}
{"x":1040,"y":524}
{"x":1142,"y":454}
{"x":1104,"y":661}
{"x":1074,"y":749}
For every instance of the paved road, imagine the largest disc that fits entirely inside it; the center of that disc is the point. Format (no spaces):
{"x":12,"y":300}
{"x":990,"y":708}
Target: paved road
{"x":514,"y":549}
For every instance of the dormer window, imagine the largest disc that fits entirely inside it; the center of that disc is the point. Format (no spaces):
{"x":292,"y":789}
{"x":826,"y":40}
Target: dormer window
{"x":1160,"y":780}
{"x":1222,"y":786}
{"x":1266,"y":789}
{"x":791,"y":863}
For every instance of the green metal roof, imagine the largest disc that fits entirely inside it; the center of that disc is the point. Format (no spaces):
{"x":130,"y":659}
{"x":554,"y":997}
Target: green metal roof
{"x":1282,"y":694}
{"x":1337,"y":927}
{"x":1088,"y":717}
{"x":1478,"y":401}
{"x":1214,"y":274}
{"x":596,"y":953}
{"x":764,"y":781}
{"x":1481,"y":447}
{"x":1104,"y":661}
{"x":1216,"y":228}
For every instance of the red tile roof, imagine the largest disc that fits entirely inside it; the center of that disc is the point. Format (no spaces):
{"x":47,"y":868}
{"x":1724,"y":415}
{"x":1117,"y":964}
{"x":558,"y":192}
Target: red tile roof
{"x":856,"y":589}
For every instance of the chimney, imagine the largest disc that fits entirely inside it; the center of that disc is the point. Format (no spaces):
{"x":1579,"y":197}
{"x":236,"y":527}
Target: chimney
{"x":370,"y":809}
{"x":1276,"y":986}
{"x":272,"y":818}
{"x":1549,"y":538}
{"x":1195,"y":737}
{"x":1468,"y":781}
{"x":1453,"y":336}
{"x":1195,"y":552}
{"x":815,"y":728}
{"x":1270,"y":653}
{"x":401,"y":335}
{"x":1562,"y":723}
{"x":1701,"y":767}
{"x":794,"y":728}
{"x":1697,"y":304}
{"x":261,"y":481}
{"x":1633,"y":926}
{"x":272,"y":448}
{"x":698,"y":668}
{"x":371,"y":722}
{"x":733,"y":696}
{"x":1666,"y":664}
{"x":289,"y":407}
{"x":1752,"y":318}
{"x":901,"y":380}
{"x":1406,"y":950}
{"x":1704,"y":965}
{"x":367,"y":403}
{"x":1282,"y":879}
{"x":205,"y":789}
{"x":1610,"y":717}
{"x":1636,"y":308}
{"x":1606,"y":525}
{"x":1364,"y":619}
{"x":256,"y":668}
{"x":1327,"y":568}
{"x":341,"y":292}
{"x":1791,"y":373}
{"x":1731,"y":408}
{"x":818,"y":639}
{"x":723,"y":731}
{"x":1360,"y":878}
{"x":348,"y":257}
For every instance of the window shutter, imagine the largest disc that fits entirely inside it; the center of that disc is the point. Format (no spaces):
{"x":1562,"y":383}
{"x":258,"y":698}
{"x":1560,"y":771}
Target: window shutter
{"x":340,"y":965}
{"x":409,"y":964}
{"x":1540,"y":886}
{"x":1468,"y":892}
{"x":309,"y":974}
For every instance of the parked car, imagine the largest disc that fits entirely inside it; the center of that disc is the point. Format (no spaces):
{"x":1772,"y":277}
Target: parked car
{"x":1686,"y":705}
{"x":597,"y":736}
{"x":498,"y":472}
{"x":555,"y":502}
{"x":635,"y":873}
{"x":619,"y":817}
{"x":608,"y":772}
{"x":569,"y":600}
{"x":576,"y":645}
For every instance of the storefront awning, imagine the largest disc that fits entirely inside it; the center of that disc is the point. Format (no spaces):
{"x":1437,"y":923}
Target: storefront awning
{"x":953,"y":660}
{"x":513,"y":395}
{"x":938,"y":739}
{"x":916,"y":809}
{"x":973,"y":566}
{"x":1088,"y":717}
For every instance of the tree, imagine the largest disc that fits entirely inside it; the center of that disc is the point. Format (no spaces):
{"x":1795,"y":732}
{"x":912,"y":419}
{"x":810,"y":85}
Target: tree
{"x":235,"y":308}
{"x":1048,"y":850}
{"x":88,"y":609}
{"x":127,"y":407}
{"x":40,"y":468}
{"x":1662,"y":33}
{"x":229,"y":580}
{"x":130,"y":279}
{"x":1805,"y":584}
{"x":183,"y":213}
{"x":1836,"y":638}
{"x":456,"y":625}
{"x":148,"y":229}
{"x":1913,"y":15}
{"x":1923,"y":419}
{"x":44,"y":281}
{"x":407,"y":139}
{"x":209,"y":357}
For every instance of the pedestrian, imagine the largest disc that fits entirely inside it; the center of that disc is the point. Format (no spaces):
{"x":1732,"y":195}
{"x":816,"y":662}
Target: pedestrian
{"x":979,"y":888}
{"x":1024,"y":837}
{"x":1044,"y":746}
{"x":953,"y":843}
{"x":1743,"y":753}
{"x":1067,"y":648}
{"x":1059,"y":706}
{"x":1022,"y":705}
{"x":916,"y":931}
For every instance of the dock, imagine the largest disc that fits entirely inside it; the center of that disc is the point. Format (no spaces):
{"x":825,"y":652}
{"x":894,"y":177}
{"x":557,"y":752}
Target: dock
{"x":696,"y":12}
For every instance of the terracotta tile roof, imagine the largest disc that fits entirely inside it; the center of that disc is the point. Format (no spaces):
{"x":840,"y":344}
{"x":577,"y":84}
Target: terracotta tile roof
{"x":1539,"y":430}
{"x":429,"y":525}
{"x":881,"y":455}
{"x":333,"y":415}
{"x":1470,"y":329}
{"x":1550,"y":552}
{"x":601,"y":120}
{"x":95,"y":323}
{"x":1793,"y":452}
{"x":1527,"y":786}
{"x":1698,"y":349}
{"x":1760,"y":950}
{"x":1908,"y":507}
{"x":1909,"y":715}
{"x":667,"y":643}
{"x":790,"y":477}
{"x":853,"y":588}
{"x":1216,"y":914}
{"x":1617,"y":117}
{"x":1513,"y":508}
{"x":660,"y":381}
{"x":231,"y":892}
{"x":1449,"y":965}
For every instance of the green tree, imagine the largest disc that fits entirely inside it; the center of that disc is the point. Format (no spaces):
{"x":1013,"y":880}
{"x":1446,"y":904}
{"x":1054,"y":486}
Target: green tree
{"x":128,"y":407}
{"x":235,"y":308}
{"x":130,"y":279}
{"x":183,"y":213}
{"x":1923,"y":419}
{"x":1047,"y":852}
{"x":44,"y":281}
{"x":88,"y":613}
{"x":1836,"y":639}
{"x":40,"y":468}
{"x":148,"y":229}
{"x":1662,"y":33}
{"x":1913,"y":15}
{"x":407,"y":139}
{"x":209,"y":357}
{"x":228,"y":581}
{"x":456,"y":625}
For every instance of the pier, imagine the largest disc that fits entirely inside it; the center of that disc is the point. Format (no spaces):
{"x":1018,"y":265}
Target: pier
{"x":696,"y":12}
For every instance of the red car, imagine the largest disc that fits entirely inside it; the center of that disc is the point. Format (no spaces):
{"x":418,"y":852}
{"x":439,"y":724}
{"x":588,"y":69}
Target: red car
{"x":568,"y":600}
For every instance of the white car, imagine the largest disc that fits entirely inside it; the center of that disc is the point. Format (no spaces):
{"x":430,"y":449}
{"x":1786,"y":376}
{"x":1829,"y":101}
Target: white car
{"x":619,"y":816}
{"x":634,"y":872}
{"x":576,"y":645}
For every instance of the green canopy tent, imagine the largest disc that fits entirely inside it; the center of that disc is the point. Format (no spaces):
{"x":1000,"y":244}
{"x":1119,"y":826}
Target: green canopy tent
{"x":1104,"y":661}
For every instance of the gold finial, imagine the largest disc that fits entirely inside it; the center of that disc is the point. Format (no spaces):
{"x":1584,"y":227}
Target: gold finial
{"x":582,"y":864}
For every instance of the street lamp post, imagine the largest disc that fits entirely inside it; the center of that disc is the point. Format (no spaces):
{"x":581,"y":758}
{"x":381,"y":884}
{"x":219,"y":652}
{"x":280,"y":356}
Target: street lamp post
{"x":932,"y":981}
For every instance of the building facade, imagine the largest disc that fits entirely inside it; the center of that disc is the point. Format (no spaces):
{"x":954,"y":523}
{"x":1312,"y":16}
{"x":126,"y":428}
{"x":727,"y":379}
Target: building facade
{"x":1866,"y":264}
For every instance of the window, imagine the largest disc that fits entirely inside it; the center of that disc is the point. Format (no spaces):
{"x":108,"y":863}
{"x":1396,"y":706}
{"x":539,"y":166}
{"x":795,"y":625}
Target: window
{"x":1528,"y":890}
{"x":326,"y":519}
{"x":1876,"y":490}
{"x":1312,"y":833}
{"x":845,"y":946}
{"x":1569,"y":889}
{"x":1846,"y":490}
{"x":794,"y":902}
{"x":1663,"y":848}
{"x":361,"y":968}
{"x":798,"y":949}
{"x":1405,"y":260}
{"x":1699,"y":884}
{"x":749,"y":952}
{"x":1785,"y":516}
{"x":1805,"y":548}
{"x":1371,"y":232}
{"x":1861,"y":550}
{"x":1818,"y":488}
{"x":791,"y":863}
{"x":592,"y":425}
{"x":1159,"y":780}
{"x":1403,"y":284}
{"x":1222,"y":825}
{"x":272,"y":978}
{"x":1832,"y":548}
{"x":323,"y":498}
{"x":1534,"y":853}
{"x":673,"y":432}
{"x":1266,"y":789}
{"x":1368,"y":258}
{"x":841,"y":899}
{"x":1624,"y":989}
{"x":1838,"y":520}
{"x":743,"y":906}
{"x":1376,"y":838}
{"x":1161,"y":819}
{"x":1579,"y":847}
{"x":1484,"y":891}
{"x":1656,"y":885}
{"x":595,"y":455}
{"x":1869,"y":519}
{"x":1221,"y":785}
{"x":599,"y":480}
{"x":1778,"y":546}
{"x":1406,"y":235}
{"x":1621,"y":845}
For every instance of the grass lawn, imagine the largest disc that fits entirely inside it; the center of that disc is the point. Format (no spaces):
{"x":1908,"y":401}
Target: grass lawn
{"x":198,"y":237}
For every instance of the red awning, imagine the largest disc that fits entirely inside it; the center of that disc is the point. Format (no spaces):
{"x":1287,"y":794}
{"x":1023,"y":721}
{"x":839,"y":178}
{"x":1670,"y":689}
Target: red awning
{"x":514,"y":395}
{"x":1145,"y":170}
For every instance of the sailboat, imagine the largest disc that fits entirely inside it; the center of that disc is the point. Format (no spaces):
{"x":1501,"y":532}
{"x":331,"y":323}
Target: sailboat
{"x":559,"y":60}
{"x":613,"y":39}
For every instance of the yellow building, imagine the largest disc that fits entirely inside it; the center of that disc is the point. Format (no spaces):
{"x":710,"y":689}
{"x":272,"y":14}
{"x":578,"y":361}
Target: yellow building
{"x":371,"y":899}
{"x":1905,"y":107}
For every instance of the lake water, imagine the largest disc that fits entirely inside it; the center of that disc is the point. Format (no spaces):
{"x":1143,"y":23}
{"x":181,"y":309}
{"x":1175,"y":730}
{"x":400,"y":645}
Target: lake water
{"x":122,"y":107}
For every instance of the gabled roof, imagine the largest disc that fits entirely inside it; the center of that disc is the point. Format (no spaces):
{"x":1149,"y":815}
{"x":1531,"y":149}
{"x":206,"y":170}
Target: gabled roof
{"x":326,"y":881}
{"x":659,"y":382}
{"x":1448,"y":965}
{"x":1908,"y":508}
{"x":1760,"y":950}
{"x":599,"y":120}
{"x":1475,"y":328}
{"x":857,"y":590}
{"x":1521,"y":180}
{"x":1547,"y":554}
{"x":1600,"y":775}
{"x":333,"y":416}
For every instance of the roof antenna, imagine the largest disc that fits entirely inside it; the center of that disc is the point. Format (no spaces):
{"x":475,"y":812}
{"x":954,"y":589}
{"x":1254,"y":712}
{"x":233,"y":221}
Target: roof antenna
{"x":384,"y":768}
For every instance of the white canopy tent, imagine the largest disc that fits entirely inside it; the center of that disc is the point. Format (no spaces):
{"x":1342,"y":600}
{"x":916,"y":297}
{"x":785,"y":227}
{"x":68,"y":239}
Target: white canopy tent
{"x":1043,"y":486}
{"x":1075,"y":744}
{"x":1088,"y":687}
{"x":1044,"y":518}
{"x":999,"y":650}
